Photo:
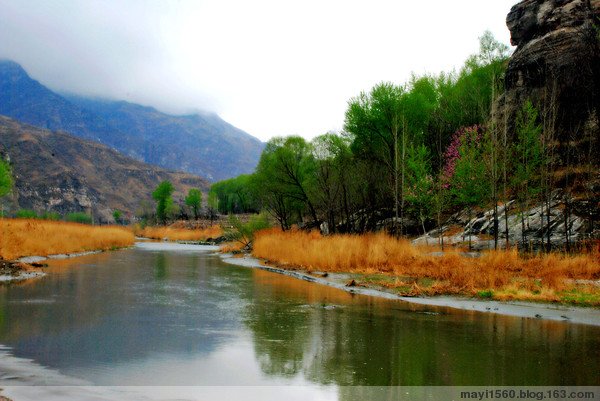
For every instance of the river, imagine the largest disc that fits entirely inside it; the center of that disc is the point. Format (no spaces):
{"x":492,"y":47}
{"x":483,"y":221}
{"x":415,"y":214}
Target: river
{"x":175,"y":315}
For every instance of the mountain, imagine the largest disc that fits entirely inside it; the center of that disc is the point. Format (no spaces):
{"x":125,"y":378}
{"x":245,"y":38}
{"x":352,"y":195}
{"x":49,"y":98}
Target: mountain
{"x":200,"y":144}
{"x":27,"y":100}
{"x":56,"y":171}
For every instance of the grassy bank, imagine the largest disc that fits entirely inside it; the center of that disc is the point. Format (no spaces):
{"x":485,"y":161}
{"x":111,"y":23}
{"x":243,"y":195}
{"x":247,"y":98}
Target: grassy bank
{"x":179,"y":233}
{"x":385,"y":261}
{"x":19,"y":237}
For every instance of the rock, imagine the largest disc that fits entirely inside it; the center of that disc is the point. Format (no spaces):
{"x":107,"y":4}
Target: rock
{"x":32,"y":259}
{"x":217,"y":241}
{"x":39,"y":265}
{"x":409,"y":225}
{"x":324,"y":228}
{"x":557,"y":60}
{"x":351,"y":283}
{"x":534,"y":222}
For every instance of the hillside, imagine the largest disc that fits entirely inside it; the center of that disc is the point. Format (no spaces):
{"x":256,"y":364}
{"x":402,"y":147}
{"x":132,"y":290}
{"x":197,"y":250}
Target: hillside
{"x":55,"y":171}
{"x":203,"y":145}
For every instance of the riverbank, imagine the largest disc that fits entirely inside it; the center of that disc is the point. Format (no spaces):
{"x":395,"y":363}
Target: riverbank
{"x":531,"y":310}
{"x":180,"y":232}
{"x":24,"y":243}
{"x":381,"y":261}
{"x":27,"y":237}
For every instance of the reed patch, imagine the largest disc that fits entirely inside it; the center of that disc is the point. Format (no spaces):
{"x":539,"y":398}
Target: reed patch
{"x":503,"y":275}
{"x":26,"y":237}
{"x":179,"y":234}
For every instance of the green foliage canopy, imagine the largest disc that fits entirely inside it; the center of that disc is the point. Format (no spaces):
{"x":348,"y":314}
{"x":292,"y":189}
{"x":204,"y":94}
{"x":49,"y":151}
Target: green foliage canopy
{"x":162,"y":194}
{"x":6,"y":178}
{"x":194,"y":200}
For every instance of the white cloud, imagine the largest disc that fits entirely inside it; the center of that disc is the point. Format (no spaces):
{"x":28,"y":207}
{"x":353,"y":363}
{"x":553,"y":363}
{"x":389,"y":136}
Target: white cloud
{"x":269,"y":67}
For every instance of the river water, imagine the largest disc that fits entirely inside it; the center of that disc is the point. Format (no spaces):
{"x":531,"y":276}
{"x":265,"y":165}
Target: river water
{"x":173,"y":315}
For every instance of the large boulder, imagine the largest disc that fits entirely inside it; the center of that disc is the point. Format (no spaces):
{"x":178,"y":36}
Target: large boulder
{"x":556,"y":65}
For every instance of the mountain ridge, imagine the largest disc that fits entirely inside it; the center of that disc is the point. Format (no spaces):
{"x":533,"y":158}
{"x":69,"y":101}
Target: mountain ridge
{"x":202,"y":145}
{"x":57,"y":172}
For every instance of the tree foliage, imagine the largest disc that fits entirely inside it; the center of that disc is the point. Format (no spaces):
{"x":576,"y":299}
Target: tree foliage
{"x":194,"y":200}
{"x":528,"y":160}
{"x":162,"y":194}
{"x":6,"y":178}
{"x":236,"y":195}
{"x":405,"y":151}
{"x":244,"y":232}
{"x":286,"y":171}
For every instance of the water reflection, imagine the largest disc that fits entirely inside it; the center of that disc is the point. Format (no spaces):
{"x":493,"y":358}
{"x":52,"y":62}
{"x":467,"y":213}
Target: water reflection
{"x":160,"y":266}
{"x":331,"y":336}
{"x":160,"y":317}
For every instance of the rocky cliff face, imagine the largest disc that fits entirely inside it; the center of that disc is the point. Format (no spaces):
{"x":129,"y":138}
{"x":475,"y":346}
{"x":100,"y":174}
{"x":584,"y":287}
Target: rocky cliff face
{"x":556,"y":65}
{"x":57,"y":172}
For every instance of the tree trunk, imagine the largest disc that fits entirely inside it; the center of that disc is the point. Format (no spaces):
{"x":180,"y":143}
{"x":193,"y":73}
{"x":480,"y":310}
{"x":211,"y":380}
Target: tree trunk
{"x":506,"y":225}
{"x":424,"y":232}
{"x":522,"y":229}
{"x":470,"y":230}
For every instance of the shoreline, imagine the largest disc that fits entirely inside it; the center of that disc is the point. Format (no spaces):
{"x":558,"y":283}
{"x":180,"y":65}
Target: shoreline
{"x":561,"y":313}
{"x":30,"y":267}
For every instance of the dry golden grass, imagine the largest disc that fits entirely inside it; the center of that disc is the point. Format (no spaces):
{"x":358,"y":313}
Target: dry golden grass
{"x":20,"y":238}
{"x":180,"y":234}
{"x":497,"y":274}
{"x":233,"y":247}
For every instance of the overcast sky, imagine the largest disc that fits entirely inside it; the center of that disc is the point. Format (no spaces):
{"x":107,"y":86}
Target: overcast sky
{"x":271,"y":68}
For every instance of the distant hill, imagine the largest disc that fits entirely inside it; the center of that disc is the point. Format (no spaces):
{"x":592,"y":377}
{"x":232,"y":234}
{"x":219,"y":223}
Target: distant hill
{"x":201,"y":144}
{"x":56,"y":171}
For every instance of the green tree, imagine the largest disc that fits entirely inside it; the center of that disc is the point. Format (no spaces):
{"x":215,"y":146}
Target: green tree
{"x":377,"y":123}
{"x":332,"y":189}
{"x":117,"y":216}
{"x":79,"y":217}
{"x":420,"y":189}
{"x":162,"y":194}
{"x":494,"y":54}
{"x":244,"y":232}
{"x":469,"y":180}
{"x":236,"y":195}
{"x":146,"y":212}
{"x":172,"y":210}
{"x":194,"y":200}
{"x":286,"y":172}
{"x":385,"y":123}
{"x":6,"y":182}
{"x":528,"y":160}
{"x":212,"y":204}
{"x":26,"y":214}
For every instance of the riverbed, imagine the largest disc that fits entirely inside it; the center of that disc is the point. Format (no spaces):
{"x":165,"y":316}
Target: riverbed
{"x":118,"y":324}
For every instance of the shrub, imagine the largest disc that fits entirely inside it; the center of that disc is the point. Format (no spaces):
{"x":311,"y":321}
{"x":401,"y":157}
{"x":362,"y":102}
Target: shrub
{"x":79,"y":217}
{"x":52,"y":216}
{"x":26,"y":214}
{"x":244,"y":232}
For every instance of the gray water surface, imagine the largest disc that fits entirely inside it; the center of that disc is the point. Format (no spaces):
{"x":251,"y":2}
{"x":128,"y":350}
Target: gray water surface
{"x":177,"y":315}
